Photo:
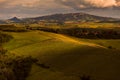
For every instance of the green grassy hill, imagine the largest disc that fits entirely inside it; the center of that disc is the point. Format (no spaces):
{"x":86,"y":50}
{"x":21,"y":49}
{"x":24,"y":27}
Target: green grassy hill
{"x":67,"y":57}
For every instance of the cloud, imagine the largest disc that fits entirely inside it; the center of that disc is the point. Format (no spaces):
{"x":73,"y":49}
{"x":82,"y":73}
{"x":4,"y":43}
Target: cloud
{"x":27,"y":4}
{"x":22,"y":3}
{"x":84,"y":4}
{"x":28,"y":8}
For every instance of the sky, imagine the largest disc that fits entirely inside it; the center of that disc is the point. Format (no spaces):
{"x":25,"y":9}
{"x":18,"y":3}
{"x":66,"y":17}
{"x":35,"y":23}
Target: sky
{"x":34,"y":8}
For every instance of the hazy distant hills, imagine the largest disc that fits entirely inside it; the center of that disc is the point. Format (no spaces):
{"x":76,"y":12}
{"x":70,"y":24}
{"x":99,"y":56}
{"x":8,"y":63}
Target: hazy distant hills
{"x":2,"y":22}
{"x":11,"y":20}
{"x":62,"y":18}
{"x":15,"y":19}
{"x":73,"y":17}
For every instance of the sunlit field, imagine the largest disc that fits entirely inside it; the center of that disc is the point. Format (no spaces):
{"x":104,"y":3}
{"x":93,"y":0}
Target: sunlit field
{"x":67,"y":57}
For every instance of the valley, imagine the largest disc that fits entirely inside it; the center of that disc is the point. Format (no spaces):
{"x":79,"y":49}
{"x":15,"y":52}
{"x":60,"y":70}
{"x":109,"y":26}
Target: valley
{"x":85,"y":47}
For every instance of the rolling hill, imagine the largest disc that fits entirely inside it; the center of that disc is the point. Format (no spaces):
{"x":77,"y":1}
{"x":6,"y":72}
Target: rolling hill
{"x":68,"y":57}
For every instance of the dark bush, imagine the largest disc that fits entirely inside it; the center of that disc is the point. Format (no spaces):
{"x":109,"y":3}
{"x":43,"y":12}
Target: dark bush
{"x":85,"y":77}
{"x":110,"y":47}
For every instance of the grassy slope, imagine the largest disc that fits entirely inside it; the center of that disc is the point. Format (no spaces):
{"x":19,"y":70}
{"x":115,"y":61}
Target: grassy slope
{"x":81,"y":25}
{"x":114,"y":43}
{"x":67,"y":57}
{"x":99,"y":25}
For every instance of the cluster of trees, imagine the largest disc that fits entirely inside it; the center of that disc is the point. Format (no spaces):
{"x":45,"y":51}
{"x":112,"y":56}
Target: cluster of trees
{"x":5,"y":37}
{"x":2,"y":27}
{"x":87,"y":33}
{"x":16,"y":68}
{"x":12,"y":28}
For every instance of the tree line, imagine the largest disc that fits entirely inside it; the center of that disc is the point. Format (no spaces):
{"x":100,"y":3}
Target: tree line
{"x":12,"y":28}
{"x":87,"y":33}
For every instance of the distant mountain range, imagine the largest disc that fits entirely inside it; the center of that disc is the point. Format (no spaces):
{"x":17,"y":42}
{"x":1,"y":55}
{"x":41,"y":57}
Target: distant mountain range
{"x":63,"y":17}
{"x":74,"y":17}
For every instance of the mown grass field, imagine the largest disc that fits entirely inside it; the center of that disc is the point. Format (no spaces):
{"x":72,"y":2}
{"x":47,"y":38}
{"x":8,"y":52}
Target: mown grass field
{"x":67,"y":57}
